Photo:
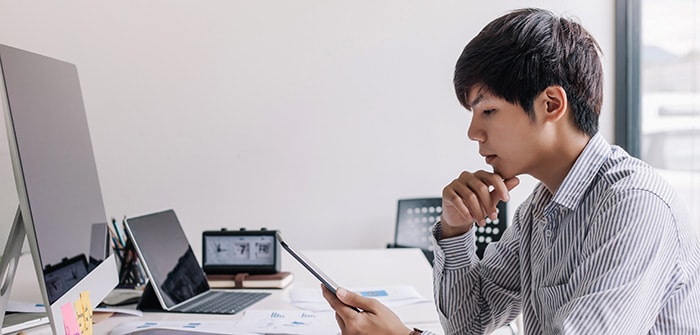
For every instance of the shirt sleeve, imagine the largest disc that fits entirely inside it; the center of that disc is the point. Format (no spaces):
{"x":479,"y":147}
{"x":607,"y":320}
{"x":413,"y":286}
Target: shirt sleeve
{"x":473,"y":296}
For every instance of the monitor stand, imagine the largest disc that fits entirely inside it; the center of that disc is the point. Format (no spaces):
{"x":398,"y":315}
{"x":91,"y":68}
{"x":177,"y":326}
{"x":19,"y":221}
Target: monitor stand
{"x":8,"y":267}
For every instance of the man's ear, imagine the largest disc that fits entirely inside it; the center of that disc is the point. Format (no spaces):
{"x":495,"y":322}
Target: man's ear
{"x":554,"y":103}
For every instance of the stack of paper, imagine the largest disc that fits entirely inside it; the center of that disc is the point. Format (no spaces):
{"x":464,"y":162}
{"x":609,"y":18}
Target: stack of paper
{"x":311,"y":298}
{"x":253,"y":322}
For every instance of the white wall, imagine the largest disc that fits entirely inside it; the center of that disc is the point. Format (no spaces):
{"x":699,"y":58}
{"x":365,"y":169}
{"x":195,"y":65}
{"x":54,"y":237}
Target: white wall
{"x":312,"y":117}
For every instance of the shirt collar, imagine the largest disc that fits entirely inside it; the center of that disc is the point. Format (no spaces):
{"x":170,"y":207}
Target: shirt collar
{"x":581,"y":175}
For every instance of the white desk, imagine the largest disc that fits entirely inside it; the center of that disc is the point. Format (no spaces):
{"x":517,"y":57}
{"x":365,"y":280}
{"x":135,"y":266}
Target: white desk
{"x":349,"y":268}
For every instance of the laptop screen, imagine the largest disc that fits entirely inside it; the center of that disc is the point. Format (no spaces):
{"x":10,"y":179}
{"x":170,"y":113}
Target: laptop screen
{"x":172,"y":267}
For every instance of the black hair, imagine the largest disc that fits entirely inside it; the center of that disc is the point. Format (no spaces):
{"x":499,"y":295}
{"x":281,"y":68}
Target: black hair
{"x":520,"y":54}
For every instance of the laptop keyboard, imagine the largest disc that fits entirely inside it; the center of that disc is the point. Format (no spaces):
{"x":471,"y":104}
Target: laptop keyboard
{"x":224,"y":302}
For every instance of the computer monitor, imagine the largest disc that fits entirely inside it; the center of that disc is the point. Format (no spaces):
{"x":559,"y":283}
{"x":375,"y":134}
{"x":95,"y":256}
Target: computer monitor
{"x":60,"y":200}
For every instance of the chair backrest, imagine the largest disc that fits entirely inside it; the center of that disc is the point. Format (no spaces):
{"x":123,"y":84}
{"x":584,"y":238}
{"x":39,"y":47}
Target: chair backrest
{"x":415,"y":217}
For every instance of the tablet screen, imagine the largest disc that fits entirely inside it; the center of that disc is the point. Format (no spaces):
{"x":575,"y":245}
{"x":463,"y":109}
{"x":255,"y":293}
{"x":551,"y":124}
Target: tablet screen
{"x":327,"y":282}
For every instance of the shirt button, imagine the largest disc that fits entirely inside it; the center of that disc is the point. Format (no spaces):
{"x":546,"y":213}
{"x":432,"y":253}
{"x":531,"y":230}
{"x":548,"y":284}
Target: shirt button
{"x":548,"y":233}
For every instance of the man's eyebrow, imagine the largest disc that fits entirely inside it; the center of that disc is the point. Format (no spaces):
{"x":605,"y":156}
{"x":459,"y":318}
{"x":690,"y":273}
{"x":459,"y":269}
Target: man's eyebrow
{"x":476,"y":100}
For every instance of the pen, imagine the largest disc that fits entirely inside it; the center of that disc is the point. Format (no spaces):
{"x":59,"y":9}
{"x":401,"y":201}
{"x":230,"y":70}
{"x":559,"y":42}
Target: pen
{"x":118,"y":232}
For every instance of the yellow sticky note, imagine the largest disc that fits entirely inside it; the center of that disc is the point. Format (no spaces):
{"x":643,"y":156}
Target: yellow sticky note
{"x":80,"y":315}
{"x":87,"y":312}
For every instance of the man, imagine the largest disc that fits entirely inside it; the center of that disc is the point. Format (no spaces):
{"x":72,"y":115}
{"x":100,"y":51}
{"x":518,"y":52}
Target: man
{"x":600,"y":246}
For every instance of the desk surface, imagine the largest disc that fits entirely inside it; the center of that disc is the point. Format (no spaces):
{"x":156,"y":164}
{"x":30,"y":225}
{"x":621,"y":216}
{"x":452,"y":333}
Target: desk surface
{"x":349,"y":268}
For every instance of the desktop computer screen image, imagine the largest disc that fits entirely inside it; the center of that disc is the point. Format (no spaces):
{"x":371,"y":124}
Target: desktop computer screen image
{"x":60,"y":200}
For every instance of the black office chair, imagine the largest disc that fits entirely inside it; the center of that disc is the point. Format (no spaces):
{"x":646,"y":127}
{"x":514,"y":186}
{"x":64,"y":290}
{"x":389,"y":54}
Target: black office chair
{"x":415,"y":217}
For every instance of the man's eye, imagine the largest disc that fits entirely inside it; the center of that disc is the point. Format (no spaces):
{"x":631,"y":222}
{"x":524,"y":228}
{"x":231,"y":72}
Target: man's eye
{"x":488,"y":112}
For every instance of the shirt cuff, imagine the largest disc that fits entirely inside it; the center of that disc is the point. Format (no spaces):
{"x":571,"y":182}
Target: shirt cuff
{"x":454,"y":252}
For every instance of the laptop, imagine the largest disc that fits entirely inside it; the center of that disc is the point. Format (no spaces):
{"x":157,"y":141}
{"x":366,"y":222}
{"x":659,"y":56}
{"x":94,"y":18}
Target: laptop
{"x":174,"y":273}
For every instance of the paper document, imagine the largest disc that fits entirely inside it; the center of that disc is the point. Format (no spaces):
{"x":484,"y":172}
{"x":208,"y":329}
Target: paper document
{"x":15,"y":322}
{"x":289,"y":322}
{"x":253,"y":322}
{"x":25,"y":307}
{"x":178,"y":328}
{"x":391,"y":296}
{"x":128,"y":311}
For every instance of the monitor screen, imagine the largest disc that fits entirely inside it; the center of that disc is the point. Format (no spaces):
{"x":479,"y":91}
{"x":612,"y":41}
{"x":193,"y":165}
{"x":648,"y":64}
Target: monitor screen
{"x":56,"y":177}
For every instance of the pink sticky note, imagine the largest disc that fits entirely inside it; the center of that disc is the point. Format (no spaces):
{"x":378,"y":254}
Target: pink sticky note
{"x":70,"y":323}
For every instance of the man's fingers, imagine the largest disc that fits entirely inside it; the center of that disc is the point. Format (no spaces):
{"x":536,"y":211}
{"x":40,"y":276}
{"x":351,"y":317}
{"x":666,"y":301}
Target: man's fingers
{"x":345,"y":303}
{"x":355,"y":301}
{"x":473,"y":197}
{"x":330,"y":297}
{"x":487,"y":185}
{"x":340,"y":321}
{"x":461,"y":197}
{"x":502,"y":193}
{"x":511,"y":183}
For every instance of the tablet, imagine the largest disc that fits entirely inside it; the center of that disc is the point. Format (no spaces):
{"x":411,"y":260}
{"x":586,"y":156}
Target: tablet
{"x":325,"y":280}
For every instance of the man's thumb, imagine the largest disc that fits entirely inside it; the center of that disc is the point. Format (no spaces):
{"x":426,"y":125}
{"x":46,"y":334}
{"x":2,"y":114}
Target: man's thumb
{"x":351,"y":298}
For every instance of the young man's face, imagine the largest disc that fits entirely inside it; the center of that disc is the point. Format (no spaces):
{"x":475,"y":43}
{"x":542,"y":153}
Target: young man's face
{"x":508,"y":139}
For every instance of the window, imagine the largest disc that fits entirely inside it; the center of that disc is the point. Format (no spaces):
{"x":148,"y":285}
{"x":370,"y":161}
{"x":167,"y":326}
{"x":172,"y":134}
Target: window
{"x":658,"y":46}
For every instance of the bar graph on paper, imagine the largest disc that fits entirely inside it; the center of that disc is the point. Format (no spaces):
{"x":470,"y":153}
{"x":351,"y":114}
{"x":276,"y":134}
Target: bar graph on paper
{"x":289,"y":322}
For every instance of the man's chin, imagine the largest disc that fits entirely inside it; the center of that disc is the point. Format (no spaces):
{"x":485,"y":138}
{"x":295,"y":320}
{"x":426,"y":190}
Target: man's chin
{"x":504,"y":173}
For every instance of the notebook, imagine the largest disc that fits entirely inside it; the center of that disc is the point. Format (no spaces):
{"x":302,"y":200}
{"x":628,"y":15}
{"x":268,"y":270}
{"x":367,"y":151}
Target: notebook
{"x":174,"y":273}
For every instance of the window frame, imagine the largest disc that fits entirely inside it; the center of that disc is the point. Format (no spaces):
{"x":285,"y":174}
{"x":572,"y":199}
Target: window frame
{"x":627,"y":75}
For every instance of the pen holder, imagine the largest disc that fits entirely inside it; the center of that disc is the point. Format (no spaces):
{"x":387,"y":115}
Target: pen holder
{"x":131,"y":274}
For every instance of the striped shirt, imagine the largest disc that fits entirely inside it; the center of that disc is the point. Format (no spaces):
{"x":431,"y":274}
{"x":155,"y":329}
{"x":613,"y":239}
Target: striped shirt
{"x":611,"y":252}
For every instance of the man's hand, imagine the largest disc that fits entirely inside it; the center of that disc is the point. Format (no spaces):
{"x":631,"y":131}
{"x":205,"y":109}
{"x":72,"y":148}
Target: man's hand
{"x":375,"y":318}
{"x":471,"y":198}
